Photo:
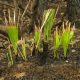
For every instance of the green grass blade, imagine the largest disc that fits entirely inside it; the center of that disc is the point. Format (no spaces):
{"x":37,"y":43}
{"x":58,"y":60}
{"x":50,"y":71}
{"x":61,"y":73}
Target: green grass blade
{"x":24,"y":55}
{"x":57,"y":43}
{"x":37,"y":39}
{"x":10,"y":59}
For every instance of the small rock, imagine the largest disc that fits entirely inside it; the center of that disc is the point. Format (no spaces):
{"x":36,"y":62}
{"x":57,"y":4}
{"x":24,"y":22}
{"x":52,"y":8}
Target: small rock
{"x":67,"y":61}
{"x":73,"y":50}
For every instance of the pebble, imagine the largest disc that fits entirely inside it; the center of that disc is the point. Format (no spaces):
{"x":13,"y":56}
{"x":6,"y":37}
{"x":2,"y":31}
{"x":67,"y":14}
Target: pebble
{"x":73,"y":50}
{"x":67,"y":61}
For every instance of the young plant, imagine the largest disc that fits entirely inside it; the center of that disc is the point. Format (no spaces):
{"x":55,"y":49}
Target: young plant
{"x":9,"y":56}
{"x":37,"y":38}
{"x":13,"y":36}
{"x":24,"y":55}
{"x":66,"y":37}
{"x":12,"y":30}
{"x":56,"y":42}
{"x":48,"y":19}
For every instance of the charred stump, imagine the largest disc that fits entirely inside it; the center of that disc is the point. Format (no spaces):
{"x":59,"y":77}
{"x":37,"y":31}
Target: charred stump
{"x":43,"y":55}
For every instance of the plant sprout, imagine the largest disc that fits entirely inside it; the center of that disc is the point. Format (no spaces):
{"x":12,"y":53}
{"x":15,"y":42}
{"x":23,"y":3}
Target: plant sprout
{"x":66,"y":37}
{"x":13,"y":36}
{"x":48,"y":19}
{"x":57,"y":42}
{"x":37,"y":38}
{"x":12,"y":30}
{"x":24,"y":50}
{"x":9,"y":55}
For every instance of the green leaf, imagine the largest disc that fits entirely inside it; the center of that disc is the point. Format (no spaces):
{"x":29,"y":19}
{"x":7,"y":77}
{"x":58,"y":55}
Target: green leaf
{"x":24,"y":55}
{"x":57,"y":42}
{"x":37,"y":39}
{"x":48,"y":20}
{"x":66,"y":37}
{"x":13,"y":36}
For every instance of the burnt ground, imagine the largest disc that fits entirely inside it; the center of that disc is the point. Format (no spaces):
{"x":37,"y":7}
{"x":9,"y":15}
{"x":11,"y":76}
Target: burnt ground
{"x":53,"y":69}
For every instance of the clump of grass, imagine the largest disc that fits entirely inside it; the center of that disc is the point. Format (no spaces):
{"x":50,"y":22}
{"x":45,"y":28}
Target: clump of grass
{"x":13,"y":36}
{"x":56,"y":42}
{"x":67,"y":34}
{"x":47,"y":23}
{"x":12,"y":30}
{"x":22,"y":49}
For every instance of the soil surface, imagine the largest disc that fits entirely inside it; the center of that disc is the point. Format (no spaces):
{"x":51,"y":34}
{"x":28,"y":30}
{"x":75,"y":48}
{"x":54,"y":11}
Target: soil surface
{"x":54,"y":69}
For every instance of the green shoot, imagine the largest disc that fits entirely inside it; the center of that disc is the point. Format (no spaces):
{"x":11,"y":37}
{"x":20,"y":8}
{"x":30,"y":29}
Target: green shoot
{"x":48,"y":19}
{"x":9,"y":55}
{"x":13,"y":36}
{"x":37,"y":38}
{"x":24,"y":56}
{"x":66,"y":37}
{"x":57,"y":42}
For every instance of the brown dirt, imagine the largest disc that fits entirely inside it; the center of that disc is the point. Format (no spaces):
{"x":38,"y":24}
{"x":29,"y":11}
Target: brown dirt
{"x":59,"y":69}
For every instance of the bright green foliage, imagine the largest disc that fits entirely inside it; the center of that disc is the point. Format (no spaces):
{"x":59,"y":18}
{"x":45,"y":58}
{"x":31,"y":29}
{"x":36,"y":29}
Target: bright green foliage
{"x":37,"y":39}
{"x":13,"y":36}
{"x":66,"y":37}
{"x":48,"y":19}
{"x":57,"y":42}
{"x":9,"y":55}
{"x":24,"y":55}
